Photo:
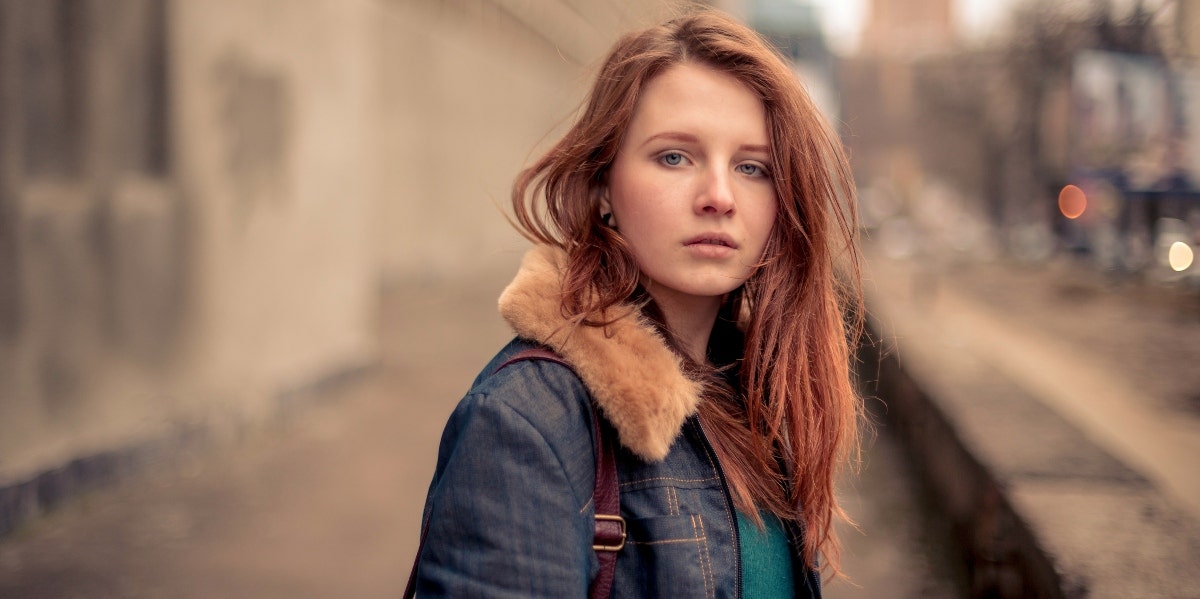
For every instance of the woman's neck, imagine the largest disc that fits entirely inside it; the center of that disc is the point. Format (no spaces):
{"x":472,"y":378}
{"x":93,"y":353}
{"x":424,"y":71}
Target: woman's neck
{"x":690,"y":320}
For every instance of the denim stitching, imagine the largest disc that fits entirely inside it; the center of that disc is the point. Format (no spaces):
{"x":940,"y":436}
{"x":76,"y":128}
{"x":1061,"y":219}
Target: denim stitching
{"x":702,"y":550}
{"x":707,"y":554}
{"x":668,"y":541}
{"x":728,"y":512}
{"x":670,"y":478}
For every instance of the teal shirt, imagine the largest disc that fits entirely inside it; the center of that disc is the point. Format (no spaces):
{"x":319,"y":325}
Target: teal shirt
{"x":766,"y":558}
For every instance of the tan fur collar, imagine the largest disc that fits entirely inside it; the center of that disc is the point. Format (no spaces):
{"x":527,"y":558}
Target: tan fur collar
{"x":635,"y":379}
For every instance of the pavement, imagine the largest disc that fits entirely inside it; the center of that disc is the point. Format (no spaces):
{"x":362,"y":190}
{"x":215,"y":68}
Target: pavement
{"x":326,"y":502}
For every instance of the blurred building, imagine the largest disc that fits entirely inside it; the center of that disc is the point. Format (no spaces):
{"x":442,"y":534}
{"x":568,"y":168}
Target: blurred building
{"x":794,"y":28}
{"x":909,"y":108}
{"x":200,"y":201}
{"x":906,"y":29}
{"x":949,"y":137}
{"x":1187,"y":28}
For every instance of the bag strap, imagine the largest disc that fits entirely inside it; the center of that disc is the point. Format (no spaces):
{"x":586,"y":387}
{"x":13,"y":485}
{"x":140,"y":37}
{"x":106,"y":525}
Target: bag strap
{"x":608,"y":537}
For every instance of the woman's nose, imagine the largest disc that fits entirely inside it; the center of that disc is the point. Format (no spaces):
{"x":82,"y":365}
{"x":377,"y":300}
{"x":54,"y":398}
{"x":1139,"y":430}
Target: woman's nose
{"x":716,"y":194}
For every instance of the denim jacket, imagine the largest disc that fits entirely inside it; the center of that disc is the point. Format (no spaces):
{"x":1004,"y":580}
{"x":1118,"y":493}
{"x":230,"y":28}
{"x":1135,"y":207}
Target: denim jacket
{"x":509,"y":512}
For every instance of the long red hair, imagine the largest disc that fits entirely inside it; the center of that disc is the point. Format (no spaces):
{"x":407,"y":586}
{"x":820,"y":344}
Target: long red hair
{"x":781,"y":449}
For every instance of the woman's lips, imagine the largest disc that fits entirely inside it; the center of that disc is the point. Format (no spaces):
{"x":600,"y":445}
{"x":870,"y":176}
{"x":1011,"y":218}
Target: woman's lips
{"x":712,"y":239}
{"x":711,"y":245}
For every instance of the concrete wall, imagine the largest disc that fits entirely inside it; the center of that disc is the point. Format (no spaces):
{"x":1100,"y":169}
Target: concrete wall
{"x":467,"y":92}
{"x":200,"y":201}
{"x":275,"y":158}
{"x":91,"y":229}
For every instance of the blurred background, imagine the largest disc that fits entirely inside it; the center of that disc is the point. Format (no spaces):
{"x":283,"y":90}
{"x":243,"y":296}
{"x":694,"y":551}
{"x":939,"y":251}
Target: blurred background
{"x":249,"y":254}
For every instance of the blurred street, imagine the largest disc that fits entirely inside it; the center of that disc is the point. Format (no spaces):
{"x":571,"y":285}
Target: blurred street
{"x":327,"y":504}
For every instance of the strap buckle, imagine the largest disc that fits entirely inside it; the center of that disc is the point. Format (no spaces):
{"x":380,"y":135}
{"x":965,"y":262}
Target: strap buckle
{"x":600,"y":546}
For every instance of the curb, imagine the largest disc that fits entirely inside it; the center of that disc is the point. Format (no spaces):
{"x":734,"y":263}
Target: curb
{"x":1037,"y":508}
{"x":26,"y":500}
{"x":1000,"y":555}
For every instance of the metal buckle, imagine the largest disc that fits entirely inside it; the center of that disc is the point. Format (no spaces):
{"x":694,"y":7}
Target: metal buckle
{"x":618,"y":546}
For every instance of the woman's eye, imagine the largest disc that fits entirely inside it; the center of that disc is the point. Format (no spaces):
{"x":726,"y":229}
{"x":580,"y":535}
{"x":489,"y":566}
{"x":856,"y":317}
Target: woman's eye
{"x":752,"y":170}
{"x":671,"y":159}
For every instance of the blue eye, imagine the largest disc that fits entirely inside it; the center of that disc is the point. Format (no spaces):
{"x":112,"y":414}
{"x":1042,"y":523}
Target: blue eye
{"x":752,"y":170}
{"x":672,"y":158}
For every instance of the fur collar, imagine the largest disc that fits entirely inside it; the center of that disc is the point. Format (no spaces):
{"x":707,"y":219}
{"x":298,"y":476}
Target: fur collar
{"x":635,"y":379}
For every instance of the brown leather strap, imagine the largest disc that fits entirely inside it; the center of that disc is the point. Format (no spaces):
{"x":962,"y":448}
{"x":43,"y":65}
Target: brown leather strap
{"x":609,"y":535}
{"x":536,"y":353}
{"x":410,"y":589}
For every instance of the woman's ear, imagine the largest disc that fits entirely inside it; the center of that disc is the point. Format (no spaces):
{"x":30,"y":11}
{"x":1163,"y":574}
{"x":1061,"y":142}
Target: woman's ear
{"x":606,"y":213}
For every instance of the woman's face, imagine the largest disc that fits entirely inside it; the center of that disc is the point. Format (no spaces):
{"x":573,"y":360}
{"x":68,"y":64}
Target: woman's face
{"x":691,"y":189}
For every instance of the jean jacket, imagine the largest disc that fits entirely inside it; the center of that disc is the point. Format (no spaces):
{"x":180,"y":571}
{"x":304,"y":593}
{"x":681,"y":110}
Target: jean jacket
{"x":509,"y":512}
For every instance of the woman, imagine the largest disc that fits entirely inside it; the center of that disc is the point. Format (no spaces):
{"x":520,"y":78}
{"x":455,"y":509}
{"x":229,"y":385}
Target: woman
{"x":686,"y":230}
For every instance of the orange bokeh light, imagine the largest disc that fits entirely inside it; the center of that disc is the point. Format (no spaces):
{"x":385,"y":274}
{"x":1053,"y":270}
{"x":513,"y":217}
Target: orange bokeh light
{"x":1072,"y":202}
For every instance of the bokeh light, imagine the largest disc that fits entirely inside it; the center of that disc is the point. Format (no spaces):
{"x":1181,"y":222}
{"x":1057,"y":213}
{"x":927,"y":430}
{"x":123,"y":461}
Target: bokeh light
{"x":1180,"y":256}
{"x":1072,"y":202}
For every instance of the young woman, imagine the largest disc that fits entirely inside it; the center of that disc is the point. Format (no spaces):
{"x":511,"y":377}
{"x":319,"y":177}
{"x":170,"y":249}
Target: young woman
{"x":687,"y":229}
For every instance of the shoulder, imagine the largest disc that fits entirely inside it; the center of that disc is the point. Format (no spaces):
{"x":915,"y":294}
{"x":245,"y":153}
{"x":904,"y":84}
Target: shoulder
{"x":544,"y":391}
{"x":525,"y":404}
{"x":516,"y":454}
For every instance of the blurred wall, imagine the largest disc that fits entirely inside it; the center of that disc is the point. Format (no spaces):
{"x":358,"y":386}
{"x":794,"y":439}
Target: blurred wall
{"x":1187,"y":27}
{"x":467,"y":91}
{"x":200,"y":200}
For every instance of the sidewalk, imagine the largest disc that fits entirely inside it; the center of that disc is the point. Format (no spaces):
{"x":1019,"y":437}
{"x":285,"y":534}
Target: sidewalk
{"x":1055,"y":416}
{"x":327,"y":503}
{"x":324,"y":504}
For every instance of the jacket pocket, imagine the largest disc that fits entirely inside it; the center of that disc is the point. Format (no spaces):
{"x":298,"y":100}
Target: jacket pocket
{"x":666,"y":556}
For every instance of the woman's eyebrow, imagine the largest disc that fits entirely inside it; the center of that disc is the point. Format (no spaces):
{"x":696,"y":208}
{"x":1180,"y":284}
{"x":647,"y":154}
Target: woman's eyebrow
{"x":673,"y":136}
{"x":689,"y":138}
